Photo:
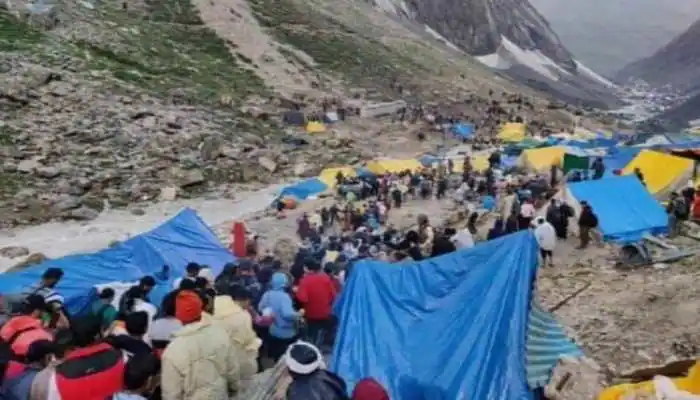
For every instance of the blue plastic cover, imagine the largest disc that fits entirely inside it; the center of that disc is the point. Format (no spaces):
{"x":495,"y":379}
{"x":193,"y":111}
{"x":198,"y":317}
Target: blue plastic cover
{"x":184,"y":238}
{"x":304,"y":189}
{"x":463,"y":131}
{"x":618,"y":158}
{"x":625,"y":208}
{"x":451,"y":327}
{"x":427,"y":160}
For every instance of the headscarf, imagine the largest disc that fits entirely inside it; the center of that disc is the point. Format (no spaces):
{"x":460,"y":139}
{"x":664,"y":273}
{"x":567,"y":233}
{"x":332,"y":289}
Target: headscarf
{"x":369,"y":389}
{"x":188,"y":307}
{"x":279,"y":281}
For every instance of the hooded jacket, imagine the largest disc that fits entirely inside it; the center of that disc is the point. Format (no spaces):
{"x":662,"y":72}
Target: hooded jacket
{"x":239,"y":326}
{"x":278,"y":302}
{"x":200,"y":363}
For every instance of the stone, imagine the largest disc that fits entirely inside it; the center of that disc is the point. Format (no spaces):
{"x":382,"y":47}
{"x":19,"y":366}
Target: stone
{"x":82,"y":214}
{"x":14,"y":251}
{"x":267,"y":163}
{"x":48,"y":172}
{"x":27,"y":166}
{"x":66,"y":202}
{"x":192,"y":178}
{"x":138,"y":211}
{"x":33,"y":259}
{"x":168,"y":193}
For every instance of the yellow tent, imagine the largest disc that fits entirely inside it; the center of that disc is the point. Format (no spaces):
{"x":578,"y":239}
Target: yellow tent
{"x":663,"y":173}
{"x":480,"y":163}
{"x":512,"y":132}
{"x":315,"y":127}
{"x":328,"y":175}
{"x":393,"y":166}
{"x":542,"y":158}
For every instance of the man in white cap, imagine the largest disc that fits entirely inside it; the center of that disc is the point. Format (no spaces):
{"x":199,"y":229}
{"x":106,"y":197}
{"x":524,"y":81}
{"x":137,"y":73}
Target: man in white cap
{"x":547,"y":240}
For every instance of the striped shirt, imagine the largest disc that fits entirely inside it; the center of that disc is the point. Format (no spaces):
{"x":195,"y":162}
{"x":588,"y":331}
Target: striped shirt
{"x":49,"y":295}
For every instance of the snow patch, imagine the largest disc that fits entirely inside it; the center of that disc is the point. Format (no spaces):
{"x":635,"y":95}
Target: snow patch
{"x":441,"y":38}
{"x":590,"y":74}
{"x":397,"y":7}
{"x":509,"y":54}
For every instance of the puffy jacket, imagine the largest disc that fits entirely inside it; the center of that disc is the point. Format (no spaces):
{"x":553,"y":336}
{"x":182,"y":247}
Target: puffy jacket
{"x":316,"y":292}
{"x":239,"y":325}
{"x":279,"y":303}
{"x":23,"y":330}
{"x":200,"y":363}
{"x":319,"y":385}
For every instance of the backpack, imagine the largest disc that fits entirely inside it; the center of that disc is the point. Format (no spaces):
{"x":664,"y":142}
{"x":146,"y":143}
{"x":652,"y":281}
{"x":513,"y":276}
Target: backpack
{"x":90,"y":373}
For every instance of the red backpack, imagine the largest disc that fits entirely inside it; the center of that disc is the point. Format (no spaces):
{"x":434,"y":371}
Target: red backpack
{"x":91,"y":373}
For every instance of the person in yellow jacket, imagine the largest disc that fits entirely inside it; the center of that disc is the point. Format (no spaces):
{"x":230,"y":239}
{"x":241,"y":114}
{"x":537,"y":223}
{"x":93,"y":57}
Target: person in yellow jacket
{"x":231,"y":313}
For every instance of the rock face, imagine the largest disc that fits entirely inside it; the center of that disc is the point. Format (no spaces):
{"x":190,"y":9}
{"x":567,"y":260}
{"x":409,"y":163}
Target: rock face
{"x":676,"y":64}
{"x":515,"y":37}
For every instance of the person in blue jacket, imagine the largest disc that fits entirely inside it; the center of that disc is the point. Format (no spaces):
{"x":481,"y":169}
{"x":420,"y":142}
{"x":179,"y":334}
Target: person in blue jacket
{"x":277,"y":303}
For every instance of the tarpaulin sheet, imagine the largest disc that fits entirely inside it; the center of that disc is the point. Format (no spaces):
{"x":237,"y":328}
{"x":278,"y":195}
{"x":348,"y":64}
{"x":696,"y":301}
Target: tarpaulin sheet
{"x":542,"y":158}
{"x":183,"y":239}
{"x":328,"y":175}
{"x":663,"y":173}
{"x":450,"y":327}
{"x":389,"y":166}
{"x":625,"y":209}
{"x":512,"y":132}
{"x":304,"y":189}
{"x":463,"y":131}
{"x":618,"y":158}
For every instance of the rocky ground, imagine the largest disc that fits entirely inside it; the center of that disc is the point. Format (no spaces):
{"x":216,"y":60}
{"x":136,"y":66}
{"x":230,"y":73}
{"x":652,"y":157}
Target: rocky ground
{"x":124,"y":103}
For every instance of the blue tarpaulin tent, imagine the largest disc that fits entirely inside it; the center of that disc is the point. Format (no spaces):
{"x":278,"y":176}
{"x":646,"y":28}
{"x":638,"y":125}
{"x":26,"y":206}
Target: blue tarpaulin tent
{"x":625,"y":208}
{"x":451,"y":327}
{"x":184,"y":238}
{"x":463,"y":131}
{"x":618,"y":158}
{"x":304,"y":189}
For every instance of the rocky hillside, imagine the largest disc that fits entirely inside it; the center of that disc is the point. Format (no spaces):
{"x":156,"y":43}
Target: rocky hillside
{"x":512,"y":36}
{"x":108,"y":103}
{"x":676,"y":64}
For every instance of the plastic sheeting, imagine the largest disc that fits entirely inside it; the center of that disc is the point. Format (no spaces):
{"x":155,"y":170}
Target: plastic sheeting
{"x":184,"y":238}
{"x":512,"y":132}
{"x":626,"y":211}
{"x":463,"y":131}
{"x":389,"y":166}
{"x":663,"y":173}
{"x":327,"y":176}
{"x":618,"y":158}
{"x":304,"y":189}
{"x":542,"y":158}
{"x":546,"y":345}
{"x":315,"y":127}
{"x":451,"y":327}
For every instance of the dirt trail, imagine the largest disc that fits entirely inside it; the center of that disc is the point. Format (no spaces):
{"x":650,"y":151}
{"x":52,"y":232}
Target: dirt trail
{"x":234,"y":22}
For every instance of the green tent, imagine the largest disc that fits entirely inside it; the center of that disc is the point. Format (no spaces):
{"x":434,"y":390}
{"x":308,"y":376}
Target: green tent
{"x":573,"y":162}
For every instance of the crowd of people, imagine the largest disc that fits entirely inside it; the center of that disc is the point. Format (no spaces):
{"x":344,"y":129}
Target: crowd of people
{"x":210,"y":335}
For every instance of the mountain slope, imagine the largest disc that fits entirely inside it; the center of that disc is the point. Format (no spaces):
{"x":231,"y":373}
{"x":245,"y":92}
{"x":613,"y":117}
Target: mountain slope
{"x":511,"y":36}
{"x":111,"y":104}
{"x":676,"y":64}
{"x":609,"y":34}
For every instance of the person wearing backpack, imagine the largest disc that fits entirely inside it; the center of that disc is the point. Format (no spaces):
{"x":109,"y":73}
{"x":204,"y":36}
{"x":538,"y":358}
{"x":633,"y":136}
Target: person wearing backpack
{"x":678,"y":210}
{"x":90,"y":368}
{"x":24,"y":329}
{"x":46,"y":288}
{"x":103,"y":310}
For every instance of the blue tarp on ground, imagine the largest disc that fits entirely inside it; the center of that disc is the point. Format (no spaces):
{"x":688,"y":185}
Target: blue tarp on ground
{"x":304,"y":189}
{"x":451,"y":327}
{"x":184,"y":238}
{"x":625,"y":208}
{"x":463,"y":131}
